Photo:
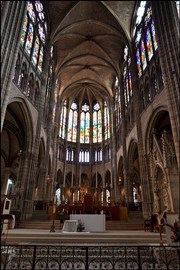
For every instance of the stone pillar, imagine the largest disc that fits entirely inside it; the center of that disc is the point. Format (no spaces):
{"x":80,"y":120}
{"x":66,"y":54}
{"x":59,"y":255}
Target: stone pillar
{"x":114,"y":155}
{"x":12,"y":21}
{"x":23,"y":184}
{"x":27,"y":208}
{"x":125,"y":161}
{"x":145,"y":180}
{"x":167,"y":32}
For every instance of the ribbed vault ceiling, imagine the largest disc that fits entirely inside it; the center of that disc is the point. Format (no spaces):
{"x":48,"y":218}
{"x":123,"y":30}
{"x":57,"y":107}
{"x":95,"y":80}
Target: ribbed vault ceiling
{"x":89,"y":39}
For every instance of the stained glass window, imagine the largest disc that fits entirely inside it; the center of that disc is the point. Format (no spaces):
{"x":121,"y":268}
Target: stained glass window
{"x":74,"y":137}
{"x":72,"y":123}
{"x":34,"y":32}
{"x":145,"y":40}
{"x":118,"y":105}
{"x":29,"y":40}
{"x":154,"y":35}
{"x":130,"y":84}
{"x":63,"y":120}
{"x":35,"y":51}
{"x":149,"y":44}
{"x":30,"y":10}
{"x":85,"y":124}
{"x":40,"y":60}
{"x":97,"y":123}
{"x":24,"y":30}
{"x":106,"y":122}
{"x":143,"y":55}
{"x":41,"y":32}
{"x":127,"y":80}
{"x":138,"y":61}
{"x":87,"y":127}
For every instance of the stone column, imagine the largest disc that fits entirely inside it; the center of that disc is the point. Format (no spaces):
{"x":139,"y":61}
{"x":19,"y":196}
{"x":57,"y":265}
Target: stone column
{"x":23,"y":183}
{"x":167,"y":32}
{"x":12,"y":21}
{"x":146,"y":198}
{"x":124,"y":129}
{"x":27,"y":208}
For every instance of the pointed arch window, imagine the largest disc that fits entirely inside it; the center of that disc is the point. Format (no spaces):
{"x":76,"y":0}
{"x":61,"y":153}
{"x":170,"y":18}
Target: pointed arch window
{"x":72,"y":123}
{"x":97,"y":123}
{"x":127,"y":77}
{"x":118,"y":105}
{"x":106,"y":122}
{"x":63,"y":120}
{"x":85,"y":123}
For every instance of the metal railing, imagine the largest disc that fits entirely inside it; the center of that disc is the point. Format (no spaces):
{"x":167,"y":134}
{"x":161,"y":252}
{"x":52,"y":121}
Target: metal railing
{"x":36,"y":257}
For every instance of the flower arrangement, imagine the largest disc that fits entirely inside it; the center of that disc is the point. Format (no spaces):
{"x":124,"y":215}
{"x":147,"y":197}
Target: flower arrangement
{"x":176,"y":231}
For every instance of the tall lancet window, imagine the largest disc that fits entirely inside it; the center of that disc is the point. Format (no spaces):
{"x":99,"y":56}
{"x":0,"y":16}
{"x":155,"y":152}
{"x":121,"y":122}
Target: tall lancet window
{"x":72,"y":123}
{"x":117,"y":102}
{"x":62,"y":128}
{"x":127,"y":77}
{"x":34,"y":32}
{"x":106,"y":122}
{"x":85,"y":123}
{"x":97,"y":123}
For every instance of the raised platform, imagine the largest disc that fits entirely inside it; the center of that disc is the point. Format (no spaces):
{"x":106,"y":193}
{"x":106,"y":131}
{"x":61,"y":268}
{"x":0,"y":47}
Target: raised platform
{"x":29,"y":236}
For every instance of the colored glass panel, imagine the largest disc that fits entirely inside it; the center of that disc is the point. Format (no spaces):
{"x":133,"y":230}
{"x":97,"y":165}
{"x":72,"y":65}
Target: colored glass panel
{"x":82,"y":124}
{"x":29,"y":40}
{"x":39,"y":6}
{"x":41,"y":32}
{"x":87,"y":127}
{"x":108,"y":125}
{"x":148,"y":16}
{"x":130,"y":84}
{"x":125,"y":53}
{"x":35,"y":52}
{"x":40,"y":61}
{"x":70,"y":123}
{"x":143,"y":55}
{"x":138,"y":62}
{"x":127,"y":88}
{"x":95,"y":124}
{"x":74,"y":137}
{"x":31,"y":12}
{"x":149,"y":44}
{"x":154,"y":35}
{"x":105,"y":123}
{"x":99,"y":126}
{"x":24,"y":30}
{"x":64,"y":123}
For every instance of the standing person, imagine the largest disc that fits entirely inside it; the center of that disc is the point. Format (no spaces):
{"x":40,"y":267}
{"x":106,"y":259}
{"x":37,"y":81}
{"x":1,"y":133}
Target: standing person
{"x":61,"y":216}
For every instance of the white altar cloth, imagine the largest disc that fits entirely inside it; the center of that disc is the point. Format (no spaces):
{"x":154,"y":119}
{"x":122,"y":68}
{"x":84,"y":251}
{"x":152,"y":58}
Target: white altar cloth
{"x":92,"y":222}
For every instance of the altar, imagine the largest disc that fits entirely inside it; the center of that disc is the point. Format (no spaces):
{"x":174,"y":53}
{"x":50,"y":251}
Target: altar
{"x":92,"y":222}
